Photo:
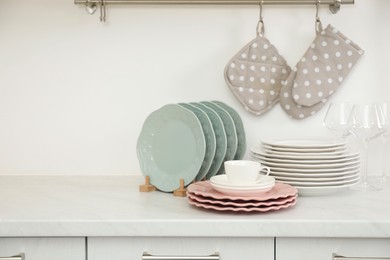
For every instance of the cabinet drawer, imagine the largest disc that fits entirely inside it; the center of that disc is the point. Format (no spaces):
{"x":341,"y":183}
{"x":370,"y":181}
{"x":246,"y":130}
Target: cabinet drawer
{"x":132,"y":248}
{"x":323,"y":248}
{"x":44,"y":248}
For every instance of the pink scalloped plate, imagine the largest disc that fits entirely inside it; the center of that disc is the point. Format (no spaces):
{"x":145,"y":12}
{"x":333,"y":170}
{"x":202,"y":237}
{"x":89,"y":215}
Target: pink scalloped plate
{"x":241,"y":209}
{"x":204,"y":188}
{"x":237,"y":203}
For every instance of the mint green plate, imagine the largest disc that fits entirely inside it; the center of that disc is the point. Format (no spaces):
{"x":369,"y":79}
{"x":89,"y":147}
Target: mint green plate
{"x":241,"y":137}
{"x":230,"y":130}
{"x":220,"y":137}
{"x":209,"y":137}
{"x":170,"y":147}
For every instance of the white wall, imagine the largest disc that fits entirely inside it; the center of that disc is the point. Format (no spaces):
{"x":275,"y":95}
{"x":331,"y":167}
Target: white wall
{"x":74,"y":92}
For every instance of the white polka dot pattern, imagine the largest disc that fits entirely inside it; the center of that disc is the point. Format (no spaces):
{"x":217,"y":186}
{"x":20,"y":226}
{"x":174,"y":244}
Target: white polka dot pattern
{"x":288,"y":101}
{"x":318,"y":74}
{"x":324,"y":66}
{"x":255,"y":75}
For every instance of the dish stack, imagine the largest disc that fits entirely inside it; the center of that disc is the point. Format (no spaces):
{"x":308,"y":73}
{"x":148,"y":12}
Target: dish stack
{"x":207,"y":195}
{"x":221,"y":184}
{"x":186,"y":142}
{"x":314,"y":167}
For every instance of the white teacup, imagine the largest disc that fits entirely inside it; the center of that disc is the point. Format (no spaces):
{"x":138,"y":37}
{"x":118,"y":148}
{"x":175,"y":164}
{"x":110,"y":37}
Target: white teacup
{"x":243,"y":172}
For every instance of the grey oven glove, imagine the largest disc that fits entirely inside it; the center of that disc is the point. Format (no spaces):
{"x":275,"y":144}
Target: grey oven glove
{"x":289,"y":105}
{"x":324,"y":66}
{"x":319,"y":73}
{"x":255,"y":75}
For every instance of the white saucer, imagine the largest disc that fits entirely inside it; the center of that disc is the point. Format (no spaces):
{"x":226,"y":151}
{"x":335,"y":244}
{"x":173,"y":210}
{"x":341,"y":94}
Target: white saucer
{"x":241,"y":192}
{"x":222,"y":181}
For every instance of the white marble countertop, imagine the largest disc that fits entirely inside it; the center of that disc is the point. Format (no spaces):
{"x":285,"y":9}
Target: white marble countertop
{"x":113,"y":206}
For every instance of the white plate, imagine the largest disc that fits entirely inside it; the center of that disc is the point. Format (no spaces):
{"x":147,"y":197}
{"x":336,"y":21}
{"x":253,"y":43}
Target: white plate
{"x":313,"y":175}
{"x":310,"y":171}
{"x":352,"y":175}
{"x":242,"y":192}
{"x":323,"y":184}
{"x":304,"y":150}
{"x":307,"y":162}
{"x":257,"y":151}
{"x":222,"y":181}
{"x":311,"y":166}
{"x":304,"y":143}
{"x":335,"y":152}
{"x":320,"y":191}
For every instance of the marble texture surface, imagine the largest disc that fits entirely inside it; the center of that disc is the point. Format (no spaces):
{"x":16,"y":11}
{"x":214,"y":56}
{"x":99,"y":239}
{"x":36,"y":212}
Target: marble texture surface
{"x":113,"y":206}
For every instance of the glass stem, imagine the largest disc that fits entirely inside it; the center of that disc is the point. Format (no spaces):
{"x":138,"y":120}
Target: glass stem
{"x":365,"y":164}
{"x":384,"y":162}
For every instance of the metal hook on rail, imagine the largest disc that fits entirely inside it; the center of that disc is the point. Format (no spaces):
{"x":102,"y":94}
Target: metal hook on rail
{"x":90,"y":6}
{"x":102,"y":11}
{"x":335,"y":7}
{"x":260,"y":23}
{"x":318,"y":24}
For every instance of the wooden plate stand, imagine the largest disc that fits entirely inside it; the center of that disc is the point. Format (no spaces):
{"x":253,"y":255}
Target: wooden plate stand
{"x":147,"y":187}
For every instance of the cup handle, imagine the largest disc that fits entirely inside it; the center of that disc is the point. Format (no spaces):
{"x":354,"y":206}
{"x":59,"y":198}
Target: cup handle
{"x":268,"y":172}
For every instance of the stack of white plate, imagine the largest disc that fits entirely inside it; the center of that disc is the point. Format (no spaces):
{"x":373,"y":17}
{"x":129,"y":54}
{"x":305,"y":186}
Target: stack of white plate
{"x":189,"y":141}
{"x":315,"y":167}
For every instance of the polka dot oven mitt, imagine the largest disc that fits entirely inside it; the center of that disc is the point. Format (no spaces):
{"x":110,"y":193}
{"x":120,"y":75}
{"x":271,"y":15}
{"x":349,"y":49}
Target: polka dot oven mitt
{"x":324,"y":66}
{"x":255,"y":75}
{"x":289,"y":105}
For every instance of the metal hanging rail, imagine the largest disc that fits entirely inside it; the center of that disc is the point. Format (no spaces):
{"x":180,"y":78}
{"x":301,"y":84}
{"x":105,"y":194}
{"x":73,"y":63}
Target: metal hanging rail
{"x":216,"y":2}
{"x":91,"y":5}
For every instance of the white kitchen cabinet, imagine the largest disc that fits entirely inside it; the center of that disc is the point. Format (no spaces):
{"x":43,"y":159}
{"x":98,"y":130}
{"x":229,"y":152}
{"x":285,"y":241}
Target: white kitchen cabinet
{"x":132,"y":248}
{"x":44,"y":248}
{"x":323,"y":248}
{"x":107,"y":218}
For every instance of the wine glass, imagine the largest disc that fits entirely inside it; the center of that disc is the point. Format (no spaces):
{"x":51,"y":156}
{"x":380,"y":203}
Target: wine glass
{"x":385,"y":138}
{"x":337,"y":119}
{"x":367,"y":123}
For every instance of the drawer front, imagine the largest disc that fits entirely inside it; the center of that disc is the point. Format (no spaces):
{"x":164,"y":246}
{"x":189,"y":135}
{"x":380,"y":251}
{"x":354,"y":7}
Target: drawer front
{"x":126,"y":248}
{"x":323,"y":248}
{"x":44,"y":248}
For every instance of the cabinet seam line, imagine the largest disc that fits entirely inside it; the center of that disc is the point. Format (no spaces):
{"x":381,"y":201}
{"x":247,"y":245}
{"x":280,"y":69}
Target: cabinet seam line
{"x":274,"y":248}
{"x":86,"y":248}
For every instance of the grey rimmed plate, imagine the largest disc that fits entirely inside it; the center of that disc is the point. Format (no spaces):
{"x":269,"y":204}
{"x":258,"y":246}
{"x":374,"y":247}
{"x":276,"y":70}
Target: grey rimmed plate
{"x":220,"y":136}
{"x":241,"y":137}
{"x":209,"y":137}
{"x":170,"y":147}
{"x":230,"y":130}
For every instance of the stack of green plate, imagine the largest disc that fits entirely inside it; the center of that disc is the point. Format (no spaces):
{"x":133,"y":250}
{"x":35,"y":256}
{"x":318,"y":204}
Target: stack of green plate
{"x":189,"y":141}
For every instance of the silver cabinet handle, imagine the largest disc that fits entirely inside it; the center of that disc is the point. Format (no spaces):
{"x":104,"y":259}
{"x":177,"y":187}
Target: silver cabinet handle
{"x":15,"y":257}
{"x":146,"y":256}
{"x":340,"y":257}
